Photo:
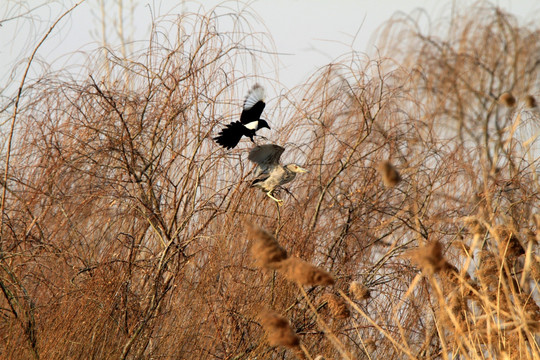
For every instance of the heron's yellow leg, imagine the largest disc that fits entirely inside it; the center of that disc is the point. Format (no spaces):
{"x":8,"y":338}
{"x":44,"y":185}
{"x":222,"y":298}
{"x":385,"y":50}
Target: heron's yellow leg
{"x":280,"y":202}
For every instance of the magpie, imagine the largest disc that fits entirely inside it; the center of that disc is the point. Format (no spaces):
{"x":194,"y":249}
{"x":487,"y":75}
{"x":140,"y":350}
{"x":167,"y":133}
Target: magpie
{"x":250,"y":120}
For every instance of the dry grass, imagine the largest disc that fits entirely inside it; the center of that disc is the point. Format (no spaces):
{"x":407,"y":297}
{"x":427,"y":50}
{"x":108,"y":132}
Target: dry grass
{"x":123,"y":230}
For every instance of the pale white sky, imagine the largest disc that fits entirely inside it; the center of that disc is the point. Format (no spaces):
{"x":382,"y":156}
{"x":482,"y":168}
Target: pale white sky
{"x":308,"y":33}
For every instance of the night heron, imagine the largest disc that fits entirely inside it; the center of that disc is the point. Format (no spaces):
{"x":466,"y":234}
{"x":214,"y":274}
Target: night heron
{"x":270,"y":174}
{"x":250,"y":120}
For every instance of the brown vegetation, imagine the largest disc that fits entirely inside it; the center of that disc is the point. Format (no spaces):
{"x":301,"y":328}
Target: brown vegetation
{"x":123,"y":224}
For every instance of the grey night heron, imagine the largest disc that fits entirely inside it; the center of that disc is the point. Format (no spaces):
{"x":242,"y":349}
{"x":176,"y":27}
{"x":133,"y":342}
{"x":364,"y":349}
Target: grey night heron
{"x":270,"y":174}
{"x":250,"y":120}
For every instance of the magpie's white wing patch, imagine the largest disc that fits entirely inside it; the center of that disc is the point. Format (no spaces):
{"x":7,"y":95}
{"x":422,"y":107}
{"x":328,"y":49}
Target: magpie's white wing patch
{"x":255,"y":95}
{"x":252,"y":125}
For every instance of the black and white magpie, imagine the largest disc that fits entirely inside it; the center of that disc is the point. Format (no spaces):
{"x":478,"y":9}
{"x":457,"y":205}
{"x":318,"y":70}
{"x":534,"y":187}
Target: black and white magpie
{"x":250,"y":120}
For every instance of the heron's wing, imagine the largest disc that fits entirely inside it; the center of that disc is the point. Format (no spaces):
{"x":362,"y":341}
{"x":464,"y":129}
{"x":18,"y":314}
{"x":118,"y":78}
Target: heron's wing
{"x":260,"y":177}
{"x":266,"y":156}
{"x":253,"y":105}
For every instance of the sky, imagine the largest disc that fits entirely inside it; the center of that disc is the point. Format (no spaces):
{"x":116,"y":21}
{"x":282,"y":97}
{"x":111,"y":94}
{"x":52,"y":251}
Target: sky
{"x":307,"y":34}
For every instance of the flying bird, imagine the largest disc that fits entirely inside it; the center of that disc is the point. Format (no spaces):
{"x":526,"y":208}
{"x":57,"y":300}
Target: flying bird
{"x":270,"y":174}
{"x":250,"y":120}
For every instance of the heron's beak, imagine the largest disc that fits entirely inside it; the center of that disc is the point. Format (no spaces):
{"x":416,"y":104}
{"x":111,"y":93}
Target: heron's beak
{"x":302,"y":170}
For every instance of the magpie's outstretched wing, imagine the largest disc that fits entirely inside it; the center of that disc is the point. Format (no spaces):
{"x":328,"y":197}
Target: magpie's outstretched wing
{"x":230,"y":135}
{"x":266,"y":157}
{"x":253,"y":105}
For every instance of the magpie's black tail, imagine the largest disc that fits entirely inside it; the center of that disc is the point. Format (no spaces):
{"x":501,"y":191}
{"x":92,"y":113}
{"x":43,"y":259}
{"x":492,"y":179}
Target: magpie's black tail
{"x":230,"y":136}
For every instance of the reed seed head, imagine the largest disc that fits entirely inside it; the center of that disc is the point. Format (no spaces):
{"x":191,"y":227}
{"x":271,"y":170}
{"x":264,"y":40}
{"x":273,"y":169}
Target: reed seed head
{"x":474,"y":225}
{"x":509,"y":243}
{"x":359,"y":291}
{"x":507,"y":99}
{"x":278,"y":330}
{"x":530,"y":308}
{"x":304,"y":273}
{"x":265,"y":249}
{"x":459,"y":307}
{"x":337,"y":306}
{"x":488,"y":268}
{"x":389,"y":173}
{"x":429,"y":258}
{"x":530,"y":101}
{"x":535,"y":270}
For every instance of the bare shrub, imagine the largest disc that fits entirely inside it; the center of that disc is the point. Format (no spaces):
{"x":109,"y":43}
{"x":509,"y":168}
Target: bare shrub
{"x":123,"y":230}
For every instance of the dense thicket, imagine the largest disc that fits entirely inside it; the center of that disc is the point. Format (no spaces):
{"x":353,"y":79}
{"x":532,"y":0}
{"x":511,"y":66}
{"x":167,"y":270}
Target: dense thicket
{"x":125,"y":230}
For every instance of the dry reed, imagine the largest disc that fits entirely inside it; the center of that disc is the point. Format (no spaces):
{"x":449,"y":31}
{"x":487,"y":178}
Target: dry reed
{"x":265,"y":249}
{"x":359,"y":291}
{"x":370,"y":345}
{"x":389,"y":174}
{"x":508,"y":242}
{"x":530,"y":102}
{"x":429,"y":257}
{"x":122,"y":230}
{"x":507,"y":99}
{"x":337,"y":306}
{"x":278,"y":330}
{"x":304,"y":273}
